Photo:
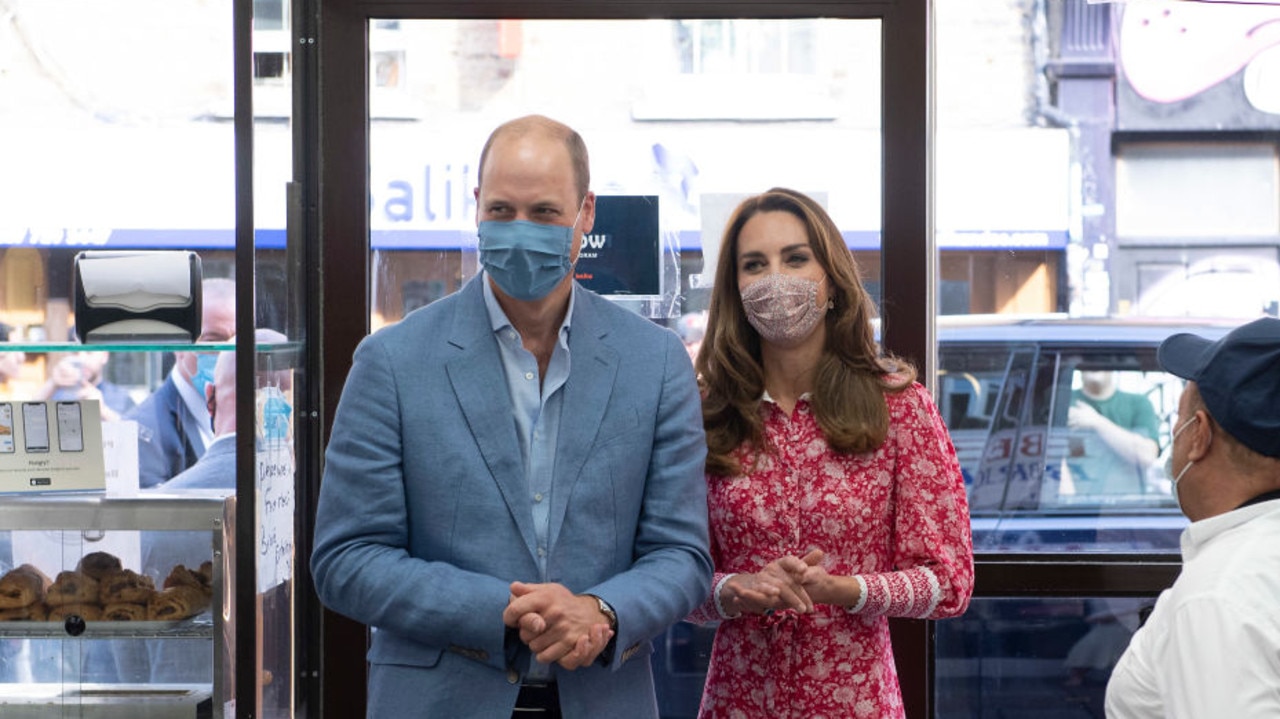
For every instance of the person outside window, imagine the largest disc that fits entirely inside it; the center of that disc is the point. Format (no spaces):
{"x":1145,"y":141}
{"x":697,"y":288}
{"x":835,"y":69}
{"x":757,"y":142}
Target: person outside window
{"x":173,"y":422}
{"x":1114,"y":437}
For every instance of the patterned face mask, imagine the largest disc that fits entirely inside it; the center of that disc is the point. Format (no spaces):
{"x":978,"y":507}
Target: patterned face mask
{"x":783,"y":308}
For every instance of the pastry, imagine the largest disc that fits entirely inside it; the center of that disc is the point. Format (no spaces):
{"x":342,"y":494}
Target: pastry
{"x":206,"y":573}
{"x":87,"y":612}
{"x":124,"y":612}
{"x":35,"y":612}
{"x":125,"y":586}
{"x":99,"y":564}
{"x":177,"y":602}
{"x":22,"y":587}
{"x":180,"y":576}
{"x":72,"y":588}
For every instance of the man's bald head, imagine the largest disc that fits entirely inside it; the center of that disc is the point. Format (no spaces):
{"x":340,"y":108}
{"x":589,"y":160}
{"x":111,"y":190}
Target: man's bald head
{"x":541,"y":125}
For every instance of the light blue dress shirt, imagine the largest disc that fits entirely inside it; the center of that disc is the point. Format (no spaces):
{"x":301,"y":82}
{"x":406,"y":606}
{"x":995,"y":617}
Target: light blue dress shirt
{"x":537,"y":403}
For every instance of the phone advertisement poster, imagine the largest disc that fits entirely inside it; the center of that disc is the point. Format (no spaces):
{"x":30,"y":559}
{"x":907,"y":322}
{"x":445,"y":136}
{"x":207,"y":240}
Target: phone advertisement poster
{"x":51,"y":446}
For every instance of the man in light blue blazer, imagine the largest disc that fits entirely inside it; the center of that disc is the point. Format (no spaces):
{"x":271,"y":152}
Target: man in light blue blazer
{"x":513,"y":493}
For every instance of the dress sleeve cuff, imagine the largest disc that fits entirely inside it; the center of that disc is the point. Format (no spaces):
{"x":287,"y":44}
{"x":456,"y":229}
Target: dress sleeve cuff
{"x":719,"y":606}
{"x":862,"y":595}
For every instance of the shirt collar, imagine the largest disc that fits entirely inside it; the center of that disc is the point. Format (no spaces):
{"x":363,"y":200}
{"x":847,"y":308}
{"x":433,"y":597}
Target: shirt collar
{"x":498,"y":319}
{"x":197,"y":405}
{"x":1201,"y":533}
{"x":807,"y":396}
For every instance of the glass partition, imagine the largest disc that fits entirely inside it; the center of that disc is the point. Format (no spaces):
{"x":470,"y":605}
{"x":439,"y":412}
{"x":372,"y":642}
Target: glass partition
{"x":1110,"y":200}
{"x":1033,"y":657}
{"x":118,"y":135}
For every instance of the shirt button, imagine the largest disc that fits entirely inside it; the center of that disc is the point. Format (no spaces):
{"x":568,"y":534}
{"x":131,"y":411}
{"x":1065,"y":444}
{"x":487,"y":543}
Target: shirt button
{"x":542,"y":552}
{"x":537,"y":497}
{"x":528,"y":375}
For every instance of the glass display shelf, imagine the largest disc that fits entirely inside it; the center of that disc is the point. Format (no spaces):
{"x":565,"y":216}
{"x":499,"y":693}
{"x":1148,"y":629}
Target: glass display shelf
{"x":200,"y":626}
{"x":230,"y":346}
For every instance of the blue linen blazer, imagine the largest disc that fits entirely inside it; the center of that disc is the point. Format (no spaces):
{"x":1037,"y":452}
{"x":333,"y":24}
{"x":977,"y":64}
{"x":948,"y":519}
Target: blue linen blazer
{"x":425,"y":515}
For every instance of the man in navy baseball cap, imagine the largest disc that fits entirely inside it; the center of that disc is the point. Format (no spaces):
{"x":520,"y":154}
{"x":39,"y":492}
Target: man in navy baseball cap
{"x":1238,"y":377}
{"x":1211,"y":646}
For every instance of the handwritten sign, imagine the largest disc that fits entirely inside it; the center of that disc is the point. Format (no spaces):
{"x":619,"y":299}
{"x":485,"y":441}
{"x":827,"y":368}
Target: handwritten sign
{"x":275,"y":515}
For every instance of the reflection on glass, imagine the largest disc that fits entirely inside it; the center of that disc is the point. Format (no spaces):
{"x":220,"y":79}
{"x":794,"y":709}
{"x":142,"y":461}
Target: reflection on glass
{"x":1032,"y":657}
{"x":1061,"y":429}
{"x":718,"y":109}
{"x":1093,"y":196}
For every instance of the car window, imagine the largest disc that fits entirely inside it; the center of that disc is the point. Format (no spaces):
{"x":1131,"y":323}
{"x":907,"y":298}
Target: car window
{"x":1062,"y":446}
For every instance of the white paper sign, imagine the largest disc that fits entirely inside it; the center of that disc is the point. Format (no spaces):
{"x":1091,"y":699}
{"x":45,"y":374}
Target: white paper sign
{"x":275,"y":515}
{"x":51,"y":446}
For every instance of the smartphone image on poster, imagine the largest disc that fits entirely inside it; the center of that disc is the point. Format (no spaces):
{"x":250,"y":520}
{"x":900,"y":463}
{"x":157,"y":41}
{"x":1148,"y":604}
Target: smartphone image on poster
{"x":70,"y":430}
{"x":6,"y":428}
{"x":35,"y":426}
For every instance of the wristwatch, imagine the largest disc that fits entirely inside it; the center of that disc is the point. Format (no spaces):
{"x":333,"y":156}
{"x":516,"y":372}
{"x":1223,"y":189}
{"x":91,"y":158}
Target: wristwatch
{"x":607,"y":611}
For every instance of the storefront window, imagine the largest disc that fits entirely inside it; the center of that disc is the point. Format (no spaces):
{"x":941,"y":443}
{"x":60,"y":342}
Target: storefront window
{"x":1150,"y":208}
{"x":682,"y":120}
{"x":1077,"y":255}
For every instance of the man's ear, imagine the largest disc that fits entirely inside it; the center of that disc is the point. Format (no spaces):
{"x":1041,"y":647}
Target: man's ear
{"x":588,"y":212}
{"x":1201,"y":436}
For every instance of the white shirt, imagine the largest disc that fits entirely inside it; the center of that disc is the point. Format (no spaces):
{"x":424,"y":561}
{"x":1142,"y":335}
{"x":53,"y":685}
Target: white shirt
{"x":1211,"y":647}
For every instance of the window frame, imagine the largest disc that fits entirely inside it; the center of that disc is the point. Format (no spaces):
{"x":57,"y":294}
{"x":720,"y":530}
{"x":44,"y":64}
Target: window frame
{"x":336,"y":134}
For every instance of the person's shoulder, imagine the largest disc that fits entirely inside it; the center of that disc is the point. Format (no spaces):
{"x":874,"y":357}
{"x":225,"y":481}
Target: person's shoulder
{"x":899,"y":393}
{"x":155,"y":402}
{"x":215,"y":470}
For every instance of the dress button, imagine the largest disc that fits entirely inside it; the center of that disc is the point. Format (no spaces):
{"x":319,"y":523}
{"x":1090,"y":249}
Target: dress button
{"x":528,"y":375}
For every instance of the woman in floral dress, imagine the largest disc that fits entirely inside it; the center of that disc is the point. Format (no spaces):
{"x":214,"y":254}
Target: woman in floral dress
{"x":835,"y":497}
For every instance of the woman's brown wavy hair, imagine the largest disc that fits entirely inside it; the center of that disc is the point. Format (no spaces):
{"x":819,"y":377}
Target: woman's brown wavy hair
{"x":852,"y":375}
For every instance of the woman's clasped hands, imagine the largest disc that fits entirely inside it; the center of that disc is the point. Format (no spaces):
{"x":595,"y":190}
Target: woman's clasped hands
{"x":785,"y":583}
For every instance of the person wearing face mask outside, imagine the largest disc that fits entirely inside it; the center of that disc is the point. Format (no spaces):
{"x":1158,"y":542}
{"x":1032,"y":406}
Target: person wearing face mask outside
{"x":1113,"y":438}
{"x":173,"y":422}
{"x":512,"y":494}
{"x":834,"y":493}
{"x":1211,"y":646}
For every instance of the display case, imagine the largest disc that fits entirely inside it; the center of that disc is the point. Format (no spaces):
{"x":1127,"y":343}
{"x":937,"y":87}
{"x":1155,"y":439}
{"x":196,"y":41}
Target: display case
{"x":196,"y":156}
{"x":137,"y":616}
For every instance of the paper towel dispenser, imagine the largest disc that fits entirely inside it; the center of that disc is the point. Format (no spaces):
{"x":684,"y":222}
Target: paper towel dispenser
{"x":137,"y":296}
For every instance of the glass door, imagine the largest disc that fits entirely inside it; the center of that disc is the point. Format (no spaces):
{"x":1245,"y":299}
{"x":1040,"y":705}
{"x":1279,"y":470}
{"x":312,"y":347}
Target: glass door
{"x":686,"y":113}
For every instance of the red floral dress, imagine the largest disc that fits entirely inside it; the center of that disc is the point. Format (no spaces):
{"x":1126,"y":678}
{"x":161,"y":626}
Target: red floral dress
{"x":896,"y":519}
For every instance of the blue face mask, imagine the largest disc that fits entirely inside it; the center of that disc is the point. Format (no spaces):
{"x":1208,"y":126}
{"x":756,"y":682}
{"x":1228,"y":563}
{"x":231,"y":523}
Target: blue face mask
{"x":204,"y":372}
{"x":526,"y":259}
